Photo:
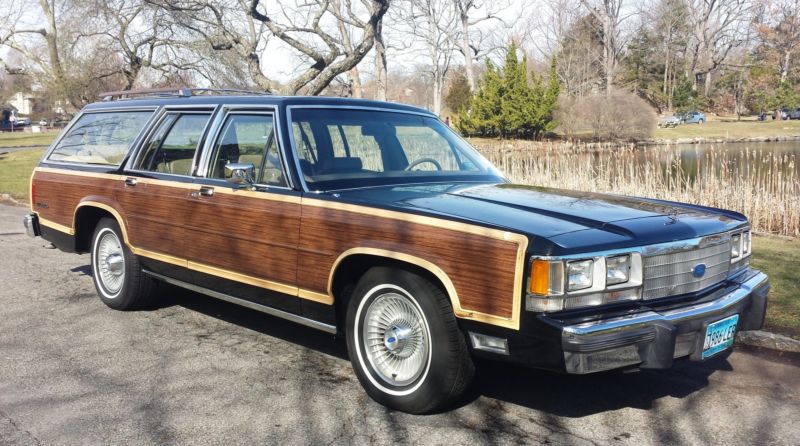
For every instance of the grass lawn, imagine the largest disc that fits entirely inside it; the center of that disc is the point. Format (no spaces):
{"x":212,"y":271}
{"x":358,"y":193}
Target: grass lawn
{"x":15,"y":172}
{"x":780,"y":259}
{"x":731,"y":130}
{"x":24,"y":139}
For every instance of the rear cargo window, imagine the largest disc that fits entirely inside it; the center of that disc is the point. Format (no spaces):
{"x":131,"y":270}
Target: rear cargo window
{"x":100,"y":138}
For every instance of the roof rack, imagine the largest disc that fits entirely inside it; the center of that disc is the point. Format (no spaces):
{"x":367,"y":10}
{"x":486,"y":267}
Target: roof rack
{"x":177,"y":92}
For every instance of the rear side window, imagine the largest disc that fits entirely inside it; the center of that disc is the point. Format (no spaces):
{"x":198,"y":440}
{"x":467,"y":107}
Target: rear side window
{"x":100,"y":138}
{"x":173,"y":145}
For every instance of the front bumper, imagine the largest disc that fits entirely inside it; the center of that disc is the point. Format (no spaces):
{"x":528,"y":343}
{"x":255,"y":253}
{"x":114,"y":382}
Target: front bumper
{"x":31,"y":223}
{"x":652,"y":339}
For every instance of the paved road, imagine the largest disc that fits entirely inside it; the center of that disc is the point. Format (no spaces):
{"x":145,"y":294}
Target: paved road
{"x":200,"y":371}
{"x":20,"y":149}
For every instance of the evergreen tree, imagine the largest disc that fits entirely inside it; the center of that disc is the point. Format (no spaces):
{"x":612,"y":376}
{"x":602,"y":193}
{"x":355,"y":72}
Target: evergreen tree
{"x":507,"y":104}
{"x":459,"y":94}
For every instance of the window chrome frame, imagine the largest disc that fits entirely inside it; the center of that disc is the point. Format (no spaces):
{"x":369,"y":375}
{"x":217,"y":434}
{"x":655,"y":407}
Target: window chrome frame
{"x":132,"y":148}
{"x":133,"y":161}
{"x":217,"y":127}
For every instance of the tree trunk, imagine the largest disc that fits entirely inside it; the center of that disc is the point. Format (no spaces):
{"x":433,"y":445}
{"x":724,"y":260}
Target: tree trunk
{"x":51,"y":38}
{"x":785,"y":65}
{"x":467,"y":50}
{"x":355,"y":83}
{"x":380,"y":64}
{"x":437,"y":92}
{"x":707,"y":86}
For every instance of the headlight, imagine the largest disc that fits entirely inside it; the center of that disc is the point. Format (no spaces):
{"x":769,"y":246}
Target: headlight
{"x":559,"y":284}
{"x":617,"y":269}
{"x":579,"y":275}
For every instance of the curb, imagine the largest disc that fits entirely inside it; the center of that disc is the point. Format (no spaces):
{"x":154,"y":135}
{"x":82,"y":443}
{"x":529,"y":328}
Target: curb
{"x":772,"y":341}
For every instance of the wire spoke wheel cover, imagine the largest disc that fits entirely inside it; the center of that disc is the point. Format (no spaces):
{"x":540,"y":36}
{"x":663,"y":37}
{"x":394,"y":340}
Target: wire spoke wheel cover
{"x":395,"y":339}
{"x":109,"y":262}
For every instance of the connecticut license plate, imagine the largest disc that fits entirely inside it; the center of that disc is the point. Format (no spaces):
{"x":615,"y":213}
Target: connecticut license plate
{"x":719,"y":336}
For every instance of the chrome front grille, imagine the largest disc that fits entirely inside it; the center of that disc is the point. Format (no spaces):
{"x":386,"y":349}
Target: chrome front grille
{"x":671,"y":274}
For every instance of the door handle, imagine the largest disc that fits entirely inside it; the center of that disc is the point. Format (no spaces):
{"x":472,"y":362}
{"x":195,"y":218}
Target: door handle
{"x":207,"y":191}
{"x":131,"y":181}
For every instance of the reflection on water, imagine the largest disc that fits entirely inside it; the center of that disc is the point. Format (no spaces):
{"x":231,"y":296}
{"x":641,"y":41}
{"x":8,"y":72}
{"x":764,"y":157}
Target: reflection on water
{"x":736,"y":157}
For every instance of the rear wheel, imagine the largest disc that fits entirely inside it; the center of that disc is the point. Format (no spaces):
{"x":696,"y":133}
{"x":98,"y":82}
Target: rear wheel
{"x":404,"y":342}
{"x":116,"y":271}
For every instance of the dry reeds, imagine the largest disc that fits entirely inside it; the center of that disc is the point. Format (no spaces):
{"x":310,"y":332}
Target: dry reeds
{"x":761,"y":184}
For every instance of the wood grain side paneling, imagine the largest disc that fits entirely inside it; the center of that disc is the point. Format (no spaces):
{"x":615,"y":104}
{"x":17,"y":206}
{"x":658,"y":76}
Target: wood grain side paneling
{"x":156,"y":216}
{"x":245,"y":231}
{"x":483,"y":269}
{"x":58,"y":194}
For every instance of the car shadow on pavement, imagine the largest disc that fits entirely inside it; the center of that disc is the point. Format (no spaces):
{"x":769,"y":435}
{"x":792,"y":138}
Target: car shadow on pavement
{"x":557,"y":394}
{"x":252,"y":320}
{"x":577,"y":396}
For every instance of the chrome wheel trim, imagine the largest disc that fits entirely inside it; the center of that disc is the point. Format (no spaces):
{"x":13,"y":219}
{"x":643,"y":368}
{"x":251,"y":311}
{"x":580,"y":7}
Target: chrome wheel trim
{"x":394,"y":313}
{"x":109,"y":263}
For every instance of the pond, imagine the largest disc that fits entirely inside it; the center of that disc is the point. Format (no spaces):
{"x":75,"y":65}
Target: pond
{"x":780,"y":156}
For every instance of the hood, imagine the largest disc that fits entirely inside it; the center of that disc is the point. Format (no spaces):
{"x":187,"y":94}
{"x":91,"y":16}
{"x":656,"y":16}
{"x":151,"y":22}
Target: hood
{"x":562,"y":221}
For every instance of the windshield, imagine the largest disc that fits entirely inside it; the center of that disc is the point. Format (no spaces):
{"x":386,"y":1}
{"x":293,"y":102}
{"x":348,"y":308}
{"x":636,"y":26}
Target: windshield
{"x":341,"y":148}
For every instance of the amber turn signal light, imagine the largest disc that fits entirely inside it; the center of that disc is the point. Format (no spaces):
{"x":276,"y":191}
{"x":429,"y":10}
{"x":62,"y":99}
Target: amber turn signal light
{"x":540,"y":277}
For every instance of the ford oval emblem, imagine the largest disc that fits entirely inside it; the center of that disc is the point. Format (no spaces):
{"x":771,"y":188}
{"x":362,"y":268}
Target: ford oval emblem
{"x":699,"y":270}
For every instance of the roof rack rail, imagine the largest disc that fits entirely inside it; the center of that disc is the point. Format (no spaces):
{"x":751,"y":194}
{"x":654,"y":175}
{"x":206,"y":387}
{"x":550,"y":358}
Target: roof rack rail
{"x":178,"y":92}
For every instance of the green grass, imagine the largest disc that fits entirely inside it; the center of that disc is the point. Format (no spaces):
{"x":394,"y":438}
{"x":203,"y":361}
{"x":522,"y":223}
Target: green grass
{"x":780,"y":259}
{"x":731,"y":130}
{"x":15,"y":172}
{"x":22,"y":139}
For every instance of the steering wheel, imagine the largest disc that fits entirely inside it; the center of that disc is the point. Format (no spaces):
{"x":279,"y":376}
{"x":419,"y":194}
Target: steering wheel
{"x":424,"y":160}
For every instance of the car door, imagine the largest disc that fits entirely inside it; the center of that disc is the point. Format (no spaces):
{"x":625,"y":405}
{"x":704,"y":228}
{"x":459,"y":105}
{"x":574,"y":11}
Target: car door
{"x":242,"y":239}
{"x":156,"y":190}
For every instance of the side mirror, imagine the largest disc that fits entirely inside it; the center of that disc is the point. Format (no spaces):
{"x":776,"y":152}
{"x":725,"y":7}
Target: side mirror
{"x":240,"y":173}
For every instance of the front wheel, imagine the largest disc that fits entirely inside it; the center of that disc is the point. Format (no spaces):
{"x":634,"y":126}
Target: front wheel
{"x":116,"y":271}
{"x":404,"y":342}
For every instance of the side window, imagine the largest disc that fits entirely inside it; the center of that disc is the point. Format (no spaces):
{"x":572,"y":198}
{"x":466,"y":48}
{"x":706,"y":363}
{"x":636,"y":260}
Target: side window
{"x":100,"y":138}
{"x":249,"y":138}
{"x":173,"y":145}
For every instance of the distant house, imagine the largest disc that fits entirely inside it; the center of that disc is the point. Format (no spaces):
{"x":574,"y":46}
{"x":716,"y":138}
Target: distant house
{"x":25,"y":103}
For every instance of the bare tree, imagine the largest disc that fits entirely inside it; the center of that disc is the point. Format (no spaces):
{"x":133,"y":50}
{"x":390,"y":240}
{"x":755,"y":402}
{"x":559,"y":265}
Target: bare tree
{"x":780,"y":31}
{"x":432,"y":24}
{"x":609,"y":16}
{"x":309,"y":29}
{"x":470,"y":13}
{"x":716,"y":27}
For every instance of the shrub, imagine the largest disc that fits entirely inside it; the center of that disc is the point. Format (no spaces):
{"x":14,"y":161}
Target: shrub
{"x":620,"y":115}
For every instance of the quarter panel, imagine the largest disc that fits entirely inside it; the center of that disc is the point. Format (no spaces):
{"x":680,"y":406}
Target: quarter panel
{"x":484,"y":266}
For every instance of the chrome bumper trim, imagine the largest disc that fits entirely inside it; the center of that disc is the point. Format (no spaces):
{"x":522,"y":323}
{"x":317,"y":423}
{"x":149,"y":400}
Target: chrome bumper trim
{"x":642,"y":320}
{"x":31,"y":223}
{"x":653,"y":339}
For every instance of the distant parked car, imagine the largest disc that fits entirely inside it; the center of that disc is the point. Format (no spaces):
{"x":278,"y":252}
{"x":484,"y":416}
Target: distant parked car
{"x":670,"y":121}
{"x":694,"y":117}
{"x":795,"y":114}
{"x":22,"y":122}
{"x":784,"y":114}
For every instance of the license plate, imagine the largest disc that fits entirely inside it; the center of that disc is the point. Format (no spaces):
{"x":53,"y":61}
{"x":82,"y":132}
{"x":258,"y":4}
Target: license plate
{"x":720,"y":336}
